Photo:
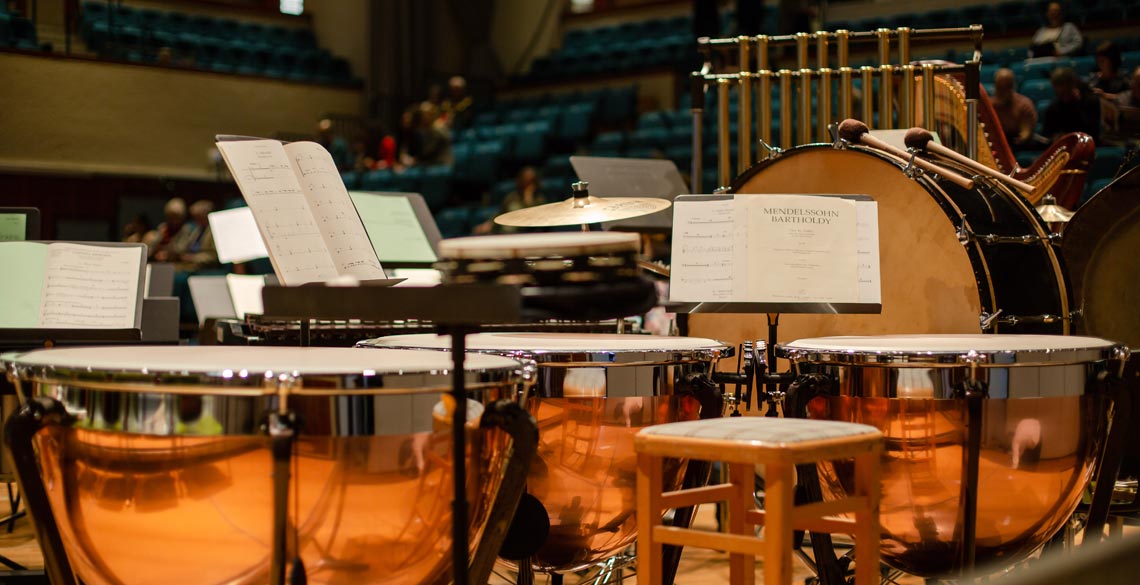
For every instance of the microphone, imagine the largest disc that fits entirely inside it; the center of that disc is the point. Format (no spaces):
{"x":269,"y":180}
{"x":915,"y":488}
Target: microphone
{"x":922,"y":139}
{"x":854,"y":131}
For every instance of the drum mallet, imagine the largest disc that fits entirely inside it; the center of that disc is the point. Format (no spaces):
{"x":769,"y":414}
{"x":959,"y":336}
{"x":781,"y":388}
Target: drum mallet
{"x":854,"y":131}
{"x":922,"y":139}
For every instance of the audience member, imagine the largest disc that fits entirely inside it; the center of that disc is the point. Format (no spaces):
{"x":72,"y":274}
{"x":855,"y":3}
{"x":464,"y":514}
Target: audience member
{"x":429,"y":142}
{"x":136,"y":230}
{"x":457,"y":110}
{"x":1108,"y":80}
{"x":1122,"y":114}
{"x":1075,"y":108}
{"x":336,"y":145}
{"x":1057,"y":38}
{"x":1016,"y":113}
{"x":159,"y":239}
{"x":1130,"y":98}
{"x":526,"y":194}
{"x":193,"y":246}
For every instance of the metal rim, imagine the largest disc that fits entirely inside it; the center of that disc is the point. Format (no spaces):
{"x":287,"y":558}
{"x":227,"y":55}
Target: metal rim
{"x":946,"y":358}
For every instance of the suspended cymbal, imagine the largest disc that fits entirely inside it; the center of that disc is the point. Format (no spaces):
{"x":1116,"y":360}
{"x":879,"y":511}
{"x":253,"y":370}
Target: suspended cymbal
{"x":574,"y":212}
{"x":1051,"y":212}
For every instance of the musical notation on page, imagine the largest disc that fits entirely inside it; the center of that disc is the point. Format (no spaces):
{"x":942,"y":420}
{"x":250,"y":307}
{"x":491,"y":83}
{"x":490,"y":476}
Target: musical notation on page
{"x":269,"y":184}
{"x":335,"y":215}
{"x":702,"y":266}
{"x":775,"y":249}
{"x":93,"y":287}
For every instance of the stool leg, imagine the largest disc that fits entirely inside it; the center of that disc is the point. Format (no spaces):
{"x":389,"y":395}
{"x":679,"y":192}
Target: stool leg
{"x":741,"y":567}
{"x":867,"y":520}
{"x":779,"y":497}
{"x":649,"y":483}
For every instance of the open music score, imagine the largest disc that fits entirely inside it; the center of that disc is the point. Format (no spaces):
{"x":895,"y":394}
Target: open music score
{"x":302,"y":209}
{"x":784,"y":249}
{"x":71,"y":286}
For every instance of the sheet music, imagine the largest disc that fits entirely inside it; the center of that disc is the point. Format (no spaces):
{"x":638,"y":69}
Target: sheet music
{"x":20,"y":296}
{"x":807,"y":244}
{"x":271,"y":188}
{"x":393,"y":227}
{"x":90,"y":287}
{"x":867,"y":233}
{"x":775,"y":248}
{"x":245,"y":293}
{"x":13,"y":227}
{"x":703,"y":251}
{"x":333,"y":211}
{"x":236,"y":236}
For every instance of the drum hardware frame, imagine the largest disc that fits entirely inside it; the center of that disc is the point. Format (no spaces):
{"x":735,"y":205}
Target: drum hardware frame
{"x":966,"y":235}
{"x":989,"y":320}
{"x":19,"y":432}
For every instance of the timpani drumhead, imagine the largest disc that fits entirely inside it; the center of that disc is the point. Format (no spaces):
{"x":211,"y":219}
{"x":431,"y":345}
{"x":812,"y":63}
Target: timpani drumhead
{"x":885,"y":349}
{"x":253,"y":361}
{"x":538,"y":245}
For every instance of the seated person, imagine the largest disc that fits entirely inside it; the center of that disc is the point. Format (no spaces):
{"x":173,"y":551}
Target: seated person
{"x":192,"y":248}
{"x":1075,"y":109}
{"x":1122,"y":114}
{"x":158,"y":240}
{"x":1108,"y":80}
{"x":1057,"y":38}
{"x":525,"y":195}
{"x":1016,"y":113}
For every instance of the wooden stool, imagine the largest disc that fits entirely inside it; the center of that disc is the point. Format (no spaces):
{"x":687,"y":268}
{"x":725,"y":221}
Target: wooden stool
{"x":779,"y":444}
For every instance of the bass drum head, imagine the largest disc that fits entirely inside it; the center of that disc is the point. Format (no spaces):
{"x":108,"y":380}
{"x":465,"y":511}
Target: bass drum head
{"x":928,"y":281}
{"x":1100,"y":247}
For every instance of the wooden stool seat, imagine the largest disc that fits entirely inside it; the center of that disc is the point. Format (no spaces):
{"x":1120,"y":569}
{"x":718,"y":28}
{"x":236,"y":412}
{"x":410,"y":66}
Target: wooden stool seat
{"x":779,"y":444}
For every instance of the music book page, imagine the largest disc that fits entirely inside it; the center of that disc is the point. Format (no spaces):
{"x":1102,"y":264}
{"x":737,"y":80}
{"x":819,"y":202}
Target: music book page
{"x":775,"y":249}
{"x":303,"y":211}
{"x":245,"y":293}
{"x":71,"y":286}
{"x":702,"y":256}
{"x":268,"y":183}
{"x":393,"y":227}
{"x":236,"y":235}
{"x":333,"y":211}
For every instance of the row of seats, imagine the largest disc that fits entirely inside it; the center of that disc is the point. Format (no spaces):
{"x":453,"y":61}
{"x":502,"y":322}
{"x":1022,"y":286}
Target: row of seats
{"x":168,"y":26}
{"x":433,"y":182}
{"x":1015,"y":15}
{"x":16,"y":31}
{"x":210,"y":44}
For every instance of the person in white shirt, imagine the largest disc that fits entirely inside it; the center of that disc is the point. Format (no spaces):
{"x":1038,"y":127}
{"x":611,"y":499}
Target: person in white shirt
{"x":1057,"y":38}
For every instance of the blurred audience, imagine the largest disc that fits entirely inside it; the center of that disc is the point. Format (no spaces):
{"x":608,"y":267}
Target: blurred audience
{"x":158,"y":240}
{"x":1121,"y":115}
{"x":192,"y":248}
{"x":1108,"y":80}
{"x":1074,"y":109}
{"x":1057,"y":38}
{"x":136,"y":230}
{"x":457,"y":110}
{"x":428,"y":139}
{"x":1016,"y":112}
{"x":337,"y":146}
{"x":526,"y":194}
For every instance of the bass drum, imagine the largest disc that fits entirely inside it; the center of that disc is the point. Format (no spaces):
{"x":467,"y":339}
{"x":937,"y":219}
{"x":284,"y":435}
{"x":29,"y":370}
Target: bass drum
{"x":935,"y":278}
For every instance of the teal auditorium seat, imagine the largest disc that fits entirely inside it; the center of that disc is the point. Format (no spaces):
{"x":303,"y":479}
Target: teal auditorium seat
{"x":1107,"y":162}
{"x":351,"y":179}
{"x":577,"y":121}
{"x":378,"y":180}
{"x":1036,"y":89}
{"x":454,"y":222}
{"x":408,"y":180}
{"x":435,"y":186}
{"x":500,"y":190}
{"x":530,"y":143}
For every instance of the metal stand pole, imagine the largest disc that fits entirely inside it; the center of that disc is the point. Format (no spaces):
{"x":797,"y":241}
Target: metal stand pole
{"x":975,"y":395}
{"x":281,"y":440}
{"x":459,"y":544}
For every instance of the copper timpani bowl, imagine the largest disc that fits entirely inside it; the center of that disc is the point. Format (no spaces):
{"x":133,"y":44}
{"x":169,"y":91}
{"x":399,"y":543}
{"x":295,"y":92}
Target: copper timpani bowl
{"x":164,"y":475}
{"x":1043,"y":427}
{"x":593,"y":392}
